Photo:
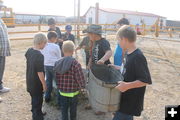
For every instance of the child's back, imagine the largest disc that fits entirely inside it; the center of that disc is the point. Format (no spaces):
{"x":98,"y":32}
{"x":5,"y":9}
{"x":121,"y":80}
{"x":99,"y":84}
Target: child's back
{"x":35,"y":64}
{"x":51,"y":54}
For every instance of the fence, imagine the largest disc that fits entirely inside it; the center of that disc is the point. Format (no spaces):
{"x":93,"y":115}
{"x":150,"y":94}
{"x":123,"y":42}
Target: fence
{"x":27,"y":30}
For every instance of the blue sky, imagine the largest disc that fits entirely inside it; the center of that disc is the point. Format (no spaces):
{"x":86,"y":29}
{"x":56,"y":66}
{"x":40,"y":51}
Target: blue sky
{"x":166,"y":8}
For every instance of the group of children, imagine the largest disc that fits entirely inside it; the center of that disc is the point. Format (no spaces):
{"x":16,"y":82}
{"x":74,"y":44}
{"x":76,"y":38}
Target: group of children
{"x":57,"y":63}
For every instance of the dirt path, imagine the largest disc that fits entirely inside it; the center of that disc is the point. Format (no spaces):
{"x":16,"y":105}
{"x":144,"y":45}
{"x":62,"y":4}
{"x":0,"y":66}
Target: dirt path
{"x":164,"y":91}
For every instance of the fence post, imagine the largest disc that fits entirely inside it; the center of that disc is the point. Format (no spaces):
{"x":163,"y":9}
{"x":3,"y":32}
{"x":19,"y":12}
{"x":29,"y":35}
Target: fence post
{"x":170,"y":32}
{"x":157,"y":28}
{"x":39,"y":27}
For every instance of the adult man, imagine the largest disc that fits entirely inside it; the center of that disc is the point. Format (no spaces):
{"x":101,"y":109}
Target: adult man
{"x":101,"y":50}
{"x":4,"y":51}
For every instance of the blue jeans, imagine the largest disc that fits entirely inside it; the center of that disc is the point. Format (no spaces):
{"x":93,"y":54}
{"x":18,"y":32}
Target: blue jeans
{"x":122,"y":116}
{"x":69,"y":103}
{"x":50,"y":75}
{"x":2,"y":67}
{"x":36,"y":102}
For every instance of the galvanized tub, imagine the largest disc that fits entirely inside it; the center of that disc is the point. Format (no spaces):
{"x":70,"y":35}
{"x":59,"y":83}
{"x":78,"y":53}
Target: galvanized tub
{"x":101,"y":88}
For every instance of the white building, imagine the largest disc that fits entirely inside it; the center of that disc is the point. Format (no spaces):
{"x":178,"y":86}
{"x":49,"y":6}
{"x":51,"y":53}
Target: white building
{"x":37,"y":18}
{"x":111,"y":16}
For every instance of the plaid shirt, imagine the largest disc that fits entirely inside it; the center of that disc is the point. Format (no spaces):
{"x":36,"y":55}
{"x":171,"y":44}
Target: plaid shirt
{"x":71,"y":81}
{"x":4,"y":40}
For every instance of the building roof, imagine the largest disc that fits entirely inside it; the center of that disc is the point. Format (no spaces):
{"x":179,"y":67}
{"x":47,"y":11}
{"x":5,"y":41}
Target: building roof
{"x":109,"y":10}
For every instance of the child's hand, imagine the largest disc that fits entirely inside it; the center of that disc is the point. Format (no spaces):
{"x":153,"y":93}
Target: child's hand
{"x":115,"y":66}
{"x":123,"y":86}
{"x":100,"y":62}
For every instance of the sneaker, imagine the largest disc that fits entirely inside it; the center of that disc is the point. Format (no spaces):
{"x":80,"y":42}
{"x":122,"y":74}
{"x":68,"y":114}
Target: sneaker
{"x":4,"y":90}
{"x":0,"y":99}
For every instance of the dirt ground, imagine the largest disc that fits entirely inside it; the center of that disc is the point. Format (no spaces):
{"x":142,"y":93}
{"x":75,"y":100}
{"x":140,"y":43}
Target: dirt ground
{"x":164,"y":63}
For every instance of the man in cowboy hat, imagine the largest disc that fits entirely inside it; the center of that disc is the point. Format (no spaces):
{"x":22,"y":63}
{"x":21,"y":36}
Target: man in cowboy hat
{"x":101,"y":50}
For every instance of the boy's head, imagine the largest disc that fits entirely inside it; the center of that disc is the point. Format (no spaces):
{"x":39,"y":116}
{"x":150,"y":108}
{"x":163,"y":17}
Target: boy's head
{"x":68,"y":28}
{"x":40,"y":40}
{"x":94,"y":32}
{"x":68,"y":48}
{"x":126,"y":36}
{"x":52,"y":36}
{"x":52,"y":23}
{"x":123,"y":21}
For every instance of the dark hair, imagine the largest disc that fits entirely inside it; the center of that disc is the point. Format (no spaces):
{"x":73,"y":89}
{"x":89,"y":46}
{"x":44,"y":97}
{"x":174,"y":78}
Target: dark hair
{"x":51,"y":35}
{"x":51,"y":21}
{"x":127,"y":32}
{"x":123,"y":21}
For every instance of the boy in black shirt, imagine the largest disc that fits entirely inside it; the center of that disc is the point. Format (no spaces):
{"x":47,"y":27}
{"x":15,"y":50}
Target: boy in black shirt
{"x":100,"y":47}
{"x":136,"y":76}
{"x":53,"y":27}
{"x":35,"y":79}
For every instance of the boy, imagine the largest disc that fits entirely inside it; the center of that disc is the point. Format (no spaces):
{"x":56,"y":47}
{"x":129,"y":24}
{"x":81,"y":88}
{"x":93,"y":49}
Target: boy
{"x":118,"y":51}
{"x":70,"y":80}
{"x":68,"y":35}
{"x":51,"y":54}
{"x":136,"y":76}
{"x":101,"y":50}
{"x":52,"y":27}
{"x":35,"y":79}
{"x":85,"y":44}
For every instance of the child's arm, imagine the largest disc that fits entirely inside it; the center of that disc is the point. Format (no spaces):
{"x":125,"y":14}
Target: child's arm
{"x":42,"y":79}
{"x":124,"y":86}
{"x":105,"y":57}
{"x":79,"y":76}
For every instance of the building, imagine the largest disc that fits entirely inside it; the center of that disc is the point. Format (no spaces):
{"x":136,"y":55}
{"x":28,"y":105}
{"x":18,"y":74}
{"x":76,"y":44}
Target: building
{"x":111,"y":16}
{"x":22,"y":18}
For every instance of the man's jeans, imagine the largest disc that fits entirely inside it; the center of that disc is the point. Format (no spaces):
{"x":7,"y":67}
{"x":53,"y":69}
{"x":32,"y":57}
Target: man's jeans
{"x":50,"y":75}
{"x":37,"y":101}
{"x":122,"y":116}
{"x":69,"y":103}
{"x":2,"y":67}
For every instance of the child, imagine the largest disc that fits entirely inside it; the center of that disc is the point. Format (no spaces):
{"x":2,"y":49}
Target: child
{"x":35,"y":79}
{"x":53,"y":27}
{"x":85,"y":44}
{"x":136,"y":76}
{"x":51,"y":54}
{"x":68,"y":35}
{"x":70,"y":80}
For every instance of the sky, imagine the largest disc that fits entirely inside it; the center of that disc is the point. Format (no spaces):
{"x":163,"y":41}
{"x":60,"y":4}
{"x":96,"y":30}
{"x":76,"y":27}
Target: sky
{"x":166,"y":8}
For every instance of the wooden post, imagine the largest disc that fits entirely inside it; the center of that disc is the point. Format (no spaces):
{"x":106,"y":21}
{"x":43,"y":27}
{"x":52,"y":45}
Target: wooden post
{"x":157,"y":28}
{"x":39,"y":27}
{"x":170,"y":32}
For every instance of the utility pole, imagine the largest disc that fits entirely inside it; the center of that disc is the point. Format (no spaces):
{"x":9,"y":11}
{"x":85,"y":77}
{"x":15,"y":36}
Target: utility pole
{"x":97,"y":14}
{"x":78,"y":20}
{"x":75,"y":17}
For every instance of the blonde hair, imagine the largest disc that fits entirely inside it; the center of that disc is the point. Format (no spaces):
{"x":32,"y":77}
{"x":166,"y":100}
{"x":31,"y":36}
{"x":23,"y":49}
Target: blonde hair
{"x":39,"y":38}
{"x":128,"y":32}
{"x":68,"y":46}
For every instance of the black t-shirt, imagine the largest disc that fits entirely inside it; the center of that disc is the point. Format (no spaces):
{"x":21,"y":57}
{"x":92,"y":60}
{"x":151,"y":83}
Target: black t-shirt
{"x":135,"y":68}
{"x":100,"y":48}
{"x":35,"y":64}
{"x":67,"y":36}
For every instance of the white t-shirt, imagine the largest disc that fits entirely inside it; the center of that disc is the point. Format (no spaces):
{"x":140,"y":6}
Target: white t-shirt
{"x":52,"y":53}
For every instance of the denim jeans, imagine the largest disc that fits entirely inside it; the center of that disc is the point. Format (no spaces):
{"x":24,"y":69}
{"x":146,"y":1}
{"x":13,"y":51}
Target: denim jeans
{"x":69,"y":103}
{"x":50,"y":75}
{"x":122,"y":116}
{"x":36,"y":102}
{"x":2,"y":67}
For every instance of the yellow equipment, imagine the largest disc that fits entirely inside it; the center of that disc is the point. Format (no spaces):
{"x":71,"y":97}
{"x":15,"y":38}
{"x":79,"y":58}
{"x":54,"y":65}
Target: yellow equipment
{"x":7,"y":16}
